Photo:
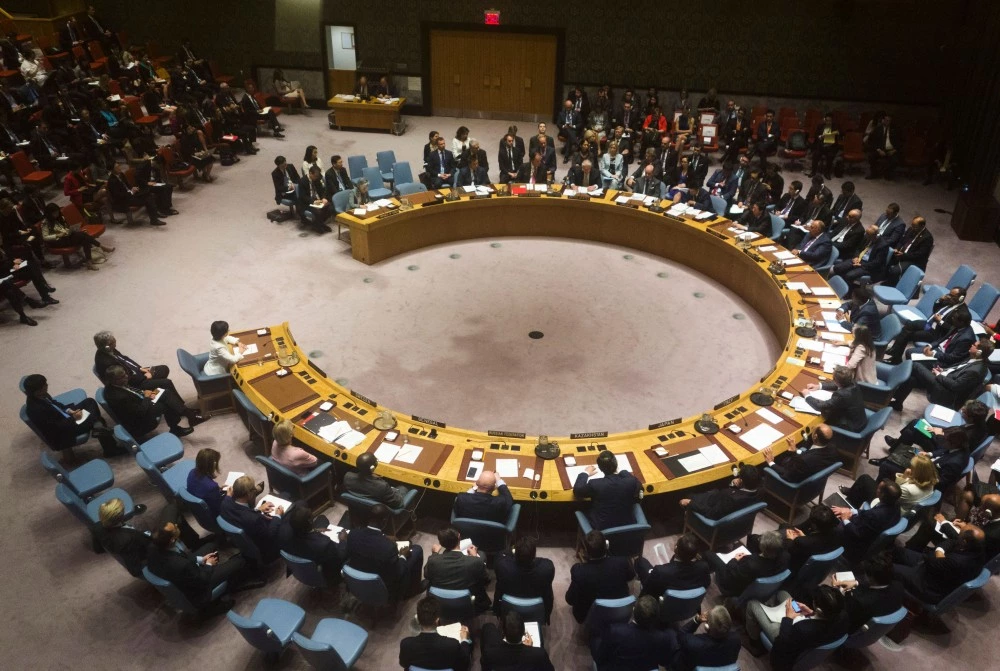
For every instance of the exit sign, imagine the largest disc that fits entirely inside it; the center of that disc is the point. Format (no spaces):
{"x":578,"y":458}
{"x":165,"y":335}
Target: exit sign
{"x":491,"y":17}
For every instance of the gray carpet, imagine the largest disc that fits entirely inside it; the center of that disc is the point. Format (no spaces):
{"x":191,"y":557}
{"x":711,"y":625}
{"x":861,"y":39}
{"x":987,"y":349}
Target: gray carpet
{"x":221,"y":258}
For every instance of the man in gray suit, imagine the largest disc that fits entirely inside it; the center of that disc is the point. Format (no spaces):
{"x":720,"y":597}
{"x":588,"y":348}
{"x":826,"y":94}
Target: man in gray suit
{"x":450,"y":568}
{"x":363,"y":482}
{"x":648,"y":184}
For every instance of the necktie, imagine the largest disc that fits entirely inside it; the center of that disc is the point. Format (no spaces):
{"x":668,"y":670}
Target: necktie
{"x":626,"y":118}
{"x":809,"y":244}
{"x":441,"y":159}
{"x":510,"y":157}
{"x":340,"y":180}
{"x":59,"y":409}
{"x":532,"y":180}
{"x":788,"y":207}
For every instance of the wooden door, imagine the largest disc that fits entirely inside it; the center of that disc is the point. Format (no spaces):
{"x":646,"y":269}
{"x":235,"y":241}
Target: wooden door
{"x":496,"y":75}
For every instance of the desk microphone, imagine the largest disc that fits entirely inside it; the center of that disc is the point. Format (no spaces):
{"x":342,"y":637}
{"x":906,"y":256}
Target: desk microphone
{"x":746,"y":424}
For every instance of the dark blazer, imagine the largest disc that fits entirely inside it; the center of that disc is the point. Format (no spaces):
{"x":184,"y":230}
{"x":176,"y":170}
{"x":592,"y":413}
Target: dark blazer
{"x":372,"y":487}
{"x":798,"y":207}
{"x":452,"y":569}
{"x":129,"y":544}
{"x":509,"y":163}
{"x":575,"y":176}
{"x":138,"y":414}
{"x":704,"y":650}
{"x":851,"y":243}
{"x":434,"y":163}
{"x":503,"y":656}
{"x":737,"y":575}
{"x":430,"y":650}
{"x":611,"y":498}
{"x":864,"y":602}
{"x":103,"y":359}
{"x":524,"y":583}
{"x":465,"y":176}
{"x":845,"y":409}
{"x":371,"y":551}
{"x":182,"y":569}
{"x":574,"y":120}
{"x":957,"y":387}
{"x":524,"y":173}
{"x":866,"y":314}
{"x":845,"y":204}
{"x":894,"y":230}
{"x":864,"y":528}
{"x":877,"y":139}
{"x":316,"y":547}
{"x":818,"y":252}
{"x":794,"y":639}
{"x":936,"y":576}
{"x":518,"y":145}
{"x":304,"y":192}
{"x":761,"y":224}
{"x":206,"y":489}
{"x":58,"y":430}
{"x":626,"y":647}
{"x":813,"y":543}
{"x":950,"y":464}
{"x":698,"y":169}
{"x":957,"y":348}
{"x":795,"y":467}
{"x":605,"y":578}
{"x":678,"y":575}
{"x":718,"y":503}
{"x":260,"y":529}
{"x":917,"y":248}
{"x":332,"y":186}
{"x":480,"y":506}
{"x":278,"y":179}
{"x":549,"y":158}
{"x":810,"y":212}
{"x":727,"y":189}
{"x":533,"y":145}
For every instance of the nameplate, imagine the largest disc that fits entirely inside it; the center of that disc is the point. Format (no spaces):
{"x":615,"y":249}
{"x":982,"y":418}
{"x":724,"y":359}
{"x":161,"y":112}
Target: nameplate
{"x":505,"y":434}
{"x":424,"y":420}
{"x":317,"y":369}
{"x":364,"y":399}
{"x":788,"y":302}
{"x":731,"y":399}
{"x":768,"y":374}
{"x":660,"y":425}
{"x":580,"y":196}
{"x":588,"y":435}
{"x":716,"y":234}
{"x":672,"y":217}
{"x":629,"y":205}
{"x":530,"y":194}
{"x":431,"y":202}
{"x":390,"y":213}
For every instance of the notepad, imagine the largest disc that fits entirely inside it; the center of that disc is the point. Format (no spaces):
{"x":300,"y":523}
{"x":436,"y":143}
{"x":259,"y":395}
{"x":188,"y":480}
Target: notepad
{"x":824,"y":291}
{"x":835,"y":337}
{"x":943,"y":413}
{"x":350,"y":439}
{"x":767,"y":248}
{"x":729,"y":556}
{"x":453,"y":630}
{"x":769,"y":416}
{"x":386,"y":452}
{"x":250,"y":349}
{"x":820,"y":394}
{"x":798,"y":404}
{"x":333,"y":532}
{"x":835,"y":327}
{"x":909,"y":315}
{"x":702,"y":216}
{"x":714,"y":455}
{"x":401,"y":545}
{"x":694,"y":462}
{"x":278,"y":503}
{"x":736,"y":209}
{"x":784,"y":255}
{"x":409,"y":454}
{"x":811,"y":345}
{"x":83,"y":416}
{"x":939,"y":527}
{"x":507,"y":468}
{"x":531,"y":629}
{"x":529,"y":474}
{"x":844,"y":576}
{"x":232,"y":477}
{"x":158,"y":395}
{"x":761,"y":436}
{"x":358,"y":211}
{"x":621,"y":200}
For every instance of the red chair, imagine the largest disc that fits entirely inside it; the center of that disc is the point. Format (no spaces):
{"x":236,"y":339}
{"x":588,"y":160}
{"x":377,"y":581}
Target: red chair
{"x":138,"y":117}
{"x":169,"y":159}
{"x":854,"y":150}
{"x":220,"y":79}
{"x":914,"y":152}
{"x":796,"y":145}
{"x":814,"y":117}
{"x":96,"y":53}
{"x":7,"y":27}
{"x":27,"y":173}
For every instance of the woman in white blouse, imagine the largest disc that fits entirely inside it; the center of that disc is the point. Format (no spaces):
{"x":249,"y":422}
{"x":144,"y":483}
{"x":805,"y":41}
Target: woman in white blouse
{"x":862,"y":356}
{"x":311,"y":159}
{"x":460,"y":145}
{"x":224,"y":351}
{"x":917,"y":482}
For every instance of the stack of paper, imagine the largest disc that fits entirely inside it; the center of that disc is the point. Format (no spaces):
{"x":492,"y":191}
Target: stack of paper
{"x":465,"y":544}
{"x":811,"y":345}
{"x":383,"y":202}
{"x":250,"y":349}
{"x":340,"y":432}
{"x":761,"y":436}
{"x":702,"y":216}
{"x":729,"y":556}
{"x":798,"y":404}
{"x":506,"y":468}
{"x":358,"y":211}
{"x":784,"y":255}
{"x":769,"y":416}
{"x":621,"y":200}
{"x":572,"y":472}
{"x":386,"y":452}
{"x":943,"y":413}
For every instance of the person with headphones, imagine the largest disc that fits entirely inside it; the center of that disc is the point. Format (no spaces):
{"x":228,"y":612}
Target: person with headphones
{"x":601,"y":576}
{"x":611,"y":493}
{"x":362,"y":481}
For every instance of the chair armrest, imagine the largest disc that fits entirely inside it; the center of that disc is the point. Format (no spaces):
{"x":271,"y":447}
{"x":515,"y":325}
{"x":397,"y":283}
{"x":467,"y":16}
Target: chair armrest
{"x":640,"y":516}
{"x":315,"y":473}
{"x":773,"y":474}
{"x":847,"y":434}
{"x":515,"y":513}
{"x":410,"y":497}
{"x":583,"y":522}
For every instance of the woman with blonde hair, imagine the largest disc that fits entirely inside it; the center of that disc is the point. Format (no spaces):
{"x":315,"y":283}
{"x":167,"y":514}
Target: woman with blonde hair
{"x":290,"y":456}
{"x":917,"y":482}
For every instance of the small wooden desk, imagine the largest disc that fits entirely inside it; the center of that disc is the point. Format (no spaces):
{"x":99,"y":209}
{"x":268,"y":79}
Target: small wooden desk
{"x":370,"y":115}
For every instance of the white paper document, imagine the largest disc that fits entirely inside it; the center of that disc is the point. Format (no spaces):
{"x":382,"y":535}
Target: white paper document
{"x":729,"y":556}
{"x":278,"y":503}
{"x":844,"y":576}
{"x":350,"y":439}
{"x":736,"y":209}
{"x":798,"y":404}
{"x":943,"y":413}
{"x":84,"y":414}
{"x":830,"y":316}
{"x":761,"y":436}
{"x":797,"y":286}
{"x":920,"y":356}
{"x":250,"y":349}
{"x":507,"y":468}
{"x":621,"y":200}
{"x":811,"y":345}
{"x":531,"y":629}
{"x":835,"y":337}
{"x":702,"y":216}
{"x":820,"y":394}
{"x":824,"y":291}
{"x":694,"y":462}
{"x":158,"y":395}
{"x":453,"y":630}
{"x":769,"y":416}
{"x":529,"y":474}
{"x":358,"y":211}
{"x":794,"y":262}
{"x":909,"y":315}
{"x":767,"y":248}
{"x":386,"y":452}
{"x":835,"y":327}
{"x":333,"y":533}
{"x":409,"y":453}
{"x":232,"y":477}
{"x":714,"y":455}
{"x":784,"y":255}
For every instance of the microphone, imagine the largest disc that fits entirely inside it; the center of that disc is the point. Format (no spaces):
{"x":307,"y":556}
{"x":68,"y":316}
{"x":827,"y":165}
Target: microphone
{"x":746,"y":424}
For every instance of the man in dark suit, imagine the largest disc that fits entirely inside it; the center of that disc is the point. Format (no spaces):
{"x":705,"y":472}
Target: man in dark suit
{"x":61,"y":423}
{"x":933,"y":574}
{"x":548,"y":153}
{"x":431,"y":650}
{"x":124,"y":196}
{"x":261,"y":525}
{"x":847,"y":200}
{"x":649,"y":184}
{"x":153,"y":175}
{"x":128,"y":545}
{"x":285,"y":179}
{"x":302,"y":534}
{"x":845,"y":408}
{"x":440,"y":165}
{"x":870,"y":260}
{"x":141,"y":377}
{"x":98,"y":29}
{"x":368,"y":549}
{"x":187,"y":56}
{"x":826,"y":145}
{"x":451,"y":568}
{"x":312,"y":197}
{"x":473,"y":174}
{"x":685,"y":570}
{"x":860,"y":309}
{"x":384,"y":89}
{"x":722,"y":183}
{"x":337,"y":179}
{"x":697,"y":166}
{"x":717,"y":503}
{"x":883,"y":149}
{"x":719,"y":646}
{"x":951,"y":347}
{"x":891,"y":226}
{"x":600,"y":577}
{"x":518,"y":140}
{"x":796,"y":465}
{"x":196,"y":576}
{"x":520,"y":573}
{"x":71,"y":34}
{"x":533,"y":140}
{"x":756,"y":220}
{"x":799,"y":630}
{"x":638,"y":644}
{"x":951,"y":386}
{"x":973,"y":415}
{"x":362,"y":481}
{"x":532,"y":172}
{"x":848,"y":235}
{"x":768,"y":135}
{"x":513,"y":649}
{"x":479,"y":503}
{"x":987,"y":514}
{"x":612,"y":494}
{"x":570,"y":124}
{"x":819,"y":534}
{"x":914,"y":250}
{"x":253,"y":112}
{"x":862,"y":527}
{"x":734,"y":576}
{"x":666,"y":158}
{"x":509,"y":158}
{"x":815,"y":248}
{"x":584,"y":176}
{"x":791,"y":205}
{"x":876,"y":593}
{"x":138,"y":412}
{"x":363,"y":90}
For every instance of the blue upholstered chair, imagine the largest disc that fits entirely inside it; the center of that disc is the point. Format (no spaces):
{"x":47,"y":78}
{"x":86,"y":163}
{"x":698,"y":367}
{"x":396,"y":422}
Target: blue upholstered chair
{"x":308,"y":487}
{"x":402,"y":174}
{"x":410,"y":188}
{"x":306,"y":571}
{"x":68,"y":398}
{"x":368,"y":588}
{"x":886,"y":539}
{"x":530,"y":610}
{"x":839,"y":286}
{"x":199,"y":510}
{"x":88,"y":512}
{"x":813,"y":572}
{"x":356,"y":166}
{"x":777,"y":226}
{"x":271,"y":625}
{"x":983,"y":301}
{"x":161,"y":450}
{"x":923,"y":308}
{"x":680,"y":604}
{"x":809,"y":659}
{"x":335,"y":645}
{"x":795,"y":494}
{"x":238,"y":538}
{"x":605,"y":612}
{"x":340,"y":200}
{"x":957,"y":595}
{"x":86,"y":481}
{"x":213,"y":390}
{"x":386,"y":160}
{"x":762,"y":589}
{"x":963,"y":277}
{"x":729,"y":667}
{"x":986,"y":397}
{"x":719,"y":205}
{"x":375,"y":184}
{"x":623,"y":541}
{"x":874,"y":629}
{"x":904,"y":291}
{"x":175,"y":597}
{"x":399,"y":517}
{"x":890,"y":328}
{"x":489,"y":537}
{"x":878,"y":394}
{"x":733,"y":527}
{"x":824,"y":268}
{"x":851,"y":445}
{"x":259,"y":427}
{"x":923,"y":504}
{"x":170,"y":481}
{"x":457,"y":605}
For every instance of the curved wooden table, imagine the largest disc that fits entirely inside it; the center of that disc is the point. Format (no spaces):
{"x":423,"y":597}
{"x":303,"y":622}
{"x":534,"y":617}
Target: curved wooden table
{"x":444,"y":459}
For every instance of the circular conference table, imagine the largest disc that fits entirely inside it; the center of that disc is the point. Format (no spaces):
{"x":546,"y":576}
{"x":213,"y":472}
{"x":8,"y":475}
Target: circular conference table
{"x":666,"y":456}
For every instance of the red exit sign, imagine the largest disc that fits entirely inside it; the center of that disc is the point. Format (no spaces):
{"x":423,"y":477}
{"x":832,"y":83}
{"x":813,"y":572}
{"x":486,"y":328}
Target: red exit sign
{"x":491,"y":17}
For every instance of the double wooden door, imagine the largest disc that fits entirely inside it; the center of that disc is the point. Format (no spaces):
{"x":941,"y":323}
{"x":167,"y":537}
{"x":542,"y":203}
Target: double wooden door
{"x":508,"y":75}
